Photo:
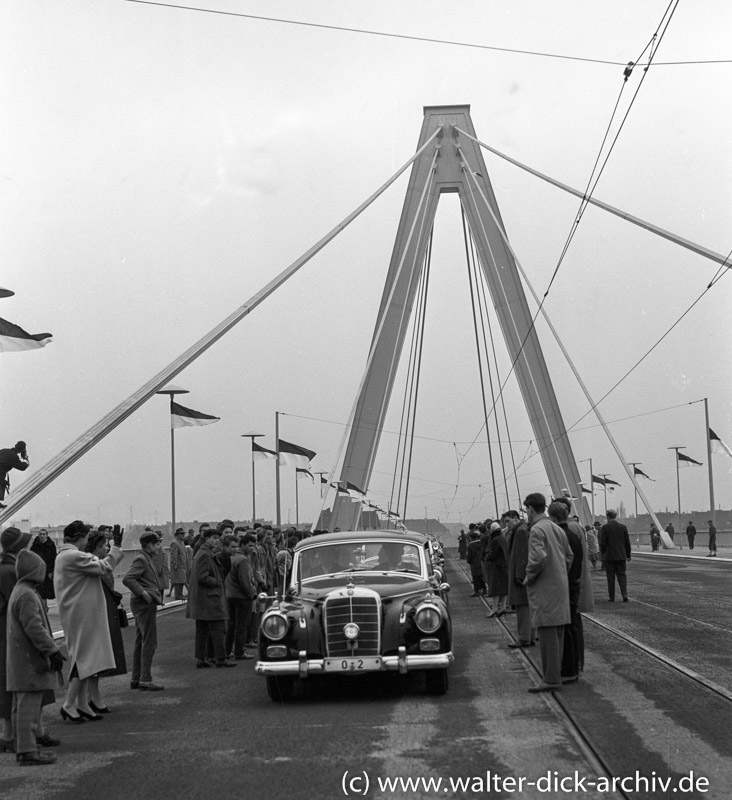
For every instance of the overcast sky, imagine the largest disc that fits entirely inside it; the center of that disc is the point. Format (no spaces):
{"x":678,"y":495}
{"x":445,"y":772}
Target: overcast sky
{"x":161,"y":165}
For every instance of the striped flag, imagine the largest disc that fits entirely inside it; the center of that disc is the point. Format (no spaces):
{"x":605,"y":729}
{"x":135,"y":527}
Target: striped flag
{"x":585,"y":490}
{"x":717,"y":445}
{"x":292,"y":455}
{"x":182,"y":417}
{"x":687,"y":461}
{"x":354,"y":492}
{"x":641,"y":474}
{"x":260,"y":453}
{"x":604,"y":481}
{"x":13,"y":338}
{"x":304,"y":473}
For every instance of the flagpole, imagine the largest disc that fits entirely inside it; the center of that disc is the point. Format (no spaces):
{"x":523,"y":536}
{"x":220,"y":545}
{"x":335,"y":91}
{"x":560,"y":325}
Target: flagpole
{"x":172,"y":391}
{"x":604,"y":475}
{"x":252,"y":436}
{"x":709,"y":460}
{"x":678,"y":482}
{"x":634,"y":464}
{"x":297,"y":504}
{"x":277,"y":468}
{"x":592,"y":486}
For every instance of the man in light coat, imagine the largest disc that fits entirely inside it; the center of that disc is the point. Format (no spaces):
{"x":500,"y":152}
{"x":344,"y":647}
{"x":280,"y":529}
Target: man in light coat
{"x":547,"y":586}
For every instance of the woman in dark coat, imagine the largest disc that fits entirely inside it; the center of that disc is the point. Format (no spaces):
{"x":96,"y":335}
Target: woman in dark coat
{"x":497,"y":560}
{"x":46,"y":549}
{"x":462,"y":545}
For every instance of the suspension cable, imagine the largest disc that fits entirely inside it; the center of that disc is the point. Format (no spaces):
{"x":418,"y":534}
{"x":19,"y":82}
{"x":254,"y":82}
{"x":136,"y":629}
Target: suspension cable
{"x":480,"y":361}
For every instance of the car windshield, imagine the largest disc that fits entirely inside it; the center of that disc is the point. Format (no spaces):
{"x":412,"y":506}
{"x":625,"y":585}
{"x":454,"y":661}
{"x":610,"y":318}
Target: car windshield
{"x":330,"y":559}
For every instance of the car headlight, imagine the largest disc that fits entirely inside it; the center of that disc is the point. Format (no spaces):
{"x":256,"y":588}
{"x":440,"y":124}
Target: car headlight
{"x":274,"y":626}
{"x":428,"y":618}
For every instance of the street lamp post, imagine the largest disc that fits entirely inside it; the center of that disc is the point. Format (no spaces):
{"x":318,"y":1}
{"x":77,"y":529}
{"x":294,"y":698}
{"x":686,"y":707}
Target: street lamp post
{"x":678,"y":486}
{"x":252,"y":436}
{"x":172,"y":391}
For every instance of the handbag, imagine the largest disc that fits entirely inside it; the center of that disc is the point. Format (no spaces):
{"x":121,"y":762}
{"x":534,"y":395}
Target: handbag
{"x":123,"y":621}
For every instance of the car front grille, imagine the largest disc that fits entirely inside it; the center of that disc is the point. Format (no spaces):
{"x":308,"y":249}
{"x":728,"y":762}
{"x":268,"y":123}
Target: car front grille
{"x":365,"y":611}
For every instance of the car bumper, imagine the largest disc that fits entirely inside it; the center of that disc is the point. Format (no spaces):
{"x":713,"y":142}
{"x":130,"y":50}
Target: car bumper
{"x":401,"y":663}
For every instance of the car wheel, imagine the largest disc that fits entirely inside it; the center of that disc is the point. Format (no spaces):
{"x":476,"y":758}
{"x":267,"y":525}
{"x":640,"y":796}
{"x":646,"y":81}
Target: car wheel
{"x":281,"y":688}
{"x":436,"y":681}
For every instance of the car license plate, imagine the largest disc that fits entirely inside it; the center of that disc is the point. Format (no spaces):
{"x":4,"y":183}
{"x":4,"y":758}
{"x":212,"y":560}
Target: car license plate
{"x":365,"y":664}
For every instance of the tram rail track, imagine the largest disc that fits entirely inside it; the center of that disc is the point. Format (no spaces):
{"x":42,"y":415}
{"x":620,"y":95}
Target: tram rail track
{"x":590,"y":743}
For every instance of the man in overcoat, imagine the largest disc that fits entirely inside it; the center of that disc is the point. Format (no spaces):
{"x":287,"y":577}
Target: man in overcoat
{"x":207,"y":601}
{"x":34,"y":660}
{"x":615,"y":551}
{"x":546,"y":580}
{"x":178,"y":563}
{"x":518,"y":557}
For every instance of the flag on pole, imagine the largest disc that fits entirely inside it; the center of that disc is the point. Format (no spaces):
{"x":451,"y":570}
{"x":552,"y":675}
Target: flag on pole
{"x":717,"y":445}
{"x":182,"y":416}
{"x":354,"y":492}
{"x":687,"y":461}
{"x":641,"y":474}
{"x":13,"y":338}
{"x":304,"y":473}
{"x":585,"y":490}
{"x":291,"y":455}
{"x":604,"y":481}
{"x":260,"y":453}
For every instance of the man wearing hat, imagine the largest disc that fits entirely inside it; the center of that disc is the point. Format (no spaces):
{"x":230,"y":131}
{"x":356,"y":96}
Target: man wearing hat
{"x":178,"y":563}
{"x":12,"y":541}
{"x":15,"y":457}
{"x":143,"y":580}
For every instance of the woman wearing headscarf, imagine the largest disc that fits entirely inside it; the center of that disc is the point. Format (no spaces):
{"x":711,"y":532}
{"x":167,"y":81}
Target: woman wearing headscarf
{"x":98,"y":545}
{"x":46,"y":549}
{"x":12,"y":541}
{"x":83,"y":612}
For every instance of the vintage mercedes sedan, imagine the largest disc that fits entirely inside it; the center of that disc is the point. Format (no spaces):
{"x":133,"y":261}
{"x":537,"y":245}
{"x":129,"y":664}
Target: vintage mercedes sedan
{"x":357,"y":603}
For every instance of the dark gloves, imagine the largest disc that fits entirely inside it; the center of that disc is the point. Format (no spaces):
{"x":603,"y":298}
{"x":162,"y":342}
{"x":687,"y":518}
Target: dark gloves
{"x":117,"y":534}
{"x":57,"y":662}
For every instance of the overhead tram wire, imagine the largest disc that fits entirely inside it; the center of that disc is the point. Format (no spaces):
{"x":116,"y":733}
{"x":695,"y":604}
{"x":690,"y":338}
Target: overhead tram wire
{"x":480,"y":362}
{"x":426,"y":39}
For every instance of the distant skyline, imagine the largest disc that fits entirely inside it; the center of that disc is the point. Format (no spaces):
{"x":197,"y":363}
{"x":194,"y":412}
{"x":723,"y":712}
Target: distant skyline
{"x":160,"y":166}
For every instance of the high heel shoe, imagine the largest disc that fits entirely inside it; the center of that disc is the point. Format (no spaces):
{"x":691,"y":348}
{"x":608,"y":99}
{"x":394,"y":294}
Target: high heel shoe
{"x":90,"y":717}
{"x":69,"y":718}
{"x":99,"y":709}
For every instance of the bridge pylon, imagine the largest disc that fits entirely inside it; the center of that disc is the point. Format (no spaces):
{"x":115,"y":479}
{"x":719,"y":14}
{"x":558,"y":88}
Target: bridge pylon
{"x":454,"y":165}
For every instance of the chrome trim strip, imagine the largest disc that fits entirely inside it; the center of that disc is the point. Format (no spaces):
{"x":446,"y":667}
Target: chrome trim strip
{"x":389,"y":664}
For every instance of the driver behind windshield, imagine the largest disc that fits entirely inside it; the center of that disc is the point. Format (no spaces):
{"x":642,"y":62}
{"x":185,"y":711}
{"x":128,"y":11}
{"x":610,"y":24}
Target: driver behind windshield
{"x":390,"y":556}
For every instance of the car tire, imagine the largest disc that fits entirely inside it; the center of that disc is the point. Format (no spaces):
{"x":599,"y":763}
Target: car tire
{"x":436,"y":681}
{"x":280,"y":688}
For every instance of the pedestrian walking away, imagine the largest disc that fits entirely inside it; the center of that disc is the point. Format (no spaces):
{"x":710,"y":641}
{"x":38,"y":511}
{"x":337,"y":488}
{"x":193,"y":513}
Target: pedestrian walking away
{"x":615,"y":550}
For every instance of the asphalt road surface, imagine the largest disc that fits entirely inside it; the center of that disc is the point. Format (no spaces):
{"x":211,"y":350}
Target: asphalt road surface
{"x":215,"y":734}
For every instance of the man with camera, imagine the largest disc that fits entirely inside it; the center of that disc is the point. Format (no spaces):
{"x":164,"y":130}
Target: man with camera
{"x":15,"y":457}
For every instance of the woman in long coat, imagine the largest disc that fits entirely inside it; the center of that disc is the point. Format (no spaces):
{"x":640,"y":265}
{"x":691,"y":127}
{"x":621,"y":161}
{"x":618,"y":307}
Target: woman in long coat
{"x":12,"y":542}
{"x":497,"y":560}
{"x":83,"y":613}
{"x":98,"y":545}
{"x":46,"y":549}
